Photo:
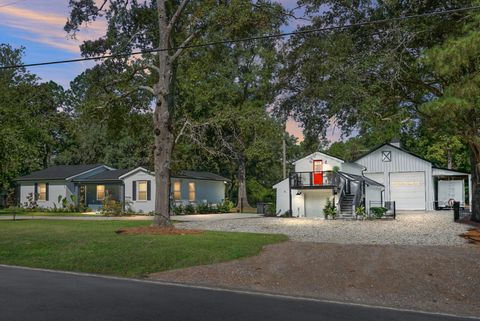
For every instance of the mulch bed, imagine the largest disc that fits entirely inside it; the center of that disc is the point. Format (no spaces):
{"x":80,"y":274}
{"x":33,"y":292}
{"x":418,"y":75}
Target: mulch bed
{"x":150,"y":230}
{"x":472,"y":236}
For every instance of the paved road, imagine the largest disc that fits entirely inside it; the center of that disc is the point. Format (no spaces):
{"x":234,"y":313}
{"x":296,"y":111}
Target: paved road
{"x":42,"y":295}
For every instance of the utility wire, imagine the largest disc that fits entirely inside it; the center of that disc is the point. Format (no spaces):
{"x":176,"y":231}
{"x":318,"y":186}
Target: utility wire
{"x":10,"y":3}
{"x":228,"y":41}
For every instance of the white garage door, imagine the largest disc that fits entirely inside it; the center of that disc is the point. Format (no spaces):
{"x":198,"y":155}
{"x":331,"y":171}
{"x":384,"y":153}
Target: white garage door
{"x":407,"y":189}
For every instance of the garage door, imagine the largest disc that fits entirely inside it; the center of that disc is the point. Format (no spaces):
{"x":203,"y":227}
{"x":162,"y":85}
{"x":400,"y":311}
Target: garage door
{"x":407,"y":189}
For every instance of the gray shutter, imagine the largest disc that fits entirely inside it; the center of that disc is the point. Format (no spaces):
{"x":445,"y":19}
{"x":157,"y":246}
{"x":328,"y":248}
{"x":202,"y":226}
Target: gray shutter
{"x":35,"y":191}
{"x":149,"y":188}
{"x":46,"y":194}
{"x":134,"y":190}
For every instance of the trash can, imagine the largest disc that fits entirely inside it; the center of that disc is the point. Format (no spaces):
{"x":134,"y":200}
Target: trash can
{"x":456,"y":211}
{"x":260,"y":208}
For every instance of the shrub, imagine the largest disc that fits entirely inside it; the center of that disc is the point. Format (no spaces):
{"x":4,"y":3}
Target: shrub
{"x":111,"y":207}
{"x":329,"y":209}
{"x":360,"y":211}
{"x":378,"y":212}
{"x":189,"y":209}
{"x":226,"y":206}
{"x":178,"y":210}
{"x":203,"y":208}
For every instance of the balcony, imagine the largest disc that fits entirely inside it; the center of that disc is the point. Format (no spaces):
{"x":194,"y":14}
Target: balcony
{"x":314,"y":180}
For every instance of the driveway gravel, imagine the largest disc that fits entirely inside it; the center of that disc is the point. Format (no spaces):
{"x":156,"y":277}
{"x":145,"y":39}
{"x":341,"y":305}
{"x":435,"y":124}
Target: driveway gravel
{"x":429,"y":278}
{"x":410,"y":228}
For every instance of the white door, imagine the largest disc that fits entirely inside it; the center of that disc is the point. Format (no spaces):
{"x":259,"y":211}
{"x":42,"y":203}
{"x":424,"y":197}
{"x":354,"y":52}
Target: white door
{"x":315,"y":202}
{"x":407,"y":189}
{"x":450,"y":190}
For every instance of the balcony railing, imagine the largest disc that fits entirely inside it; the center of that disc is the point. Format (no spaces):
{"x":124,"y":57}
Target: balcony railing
{"x":325,"y":179}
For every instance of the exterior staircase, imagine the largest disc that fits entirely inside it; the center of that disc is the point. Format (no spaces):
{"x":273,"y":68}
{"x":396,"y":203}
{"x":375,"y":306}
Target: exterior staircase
{"x":346,"y":206}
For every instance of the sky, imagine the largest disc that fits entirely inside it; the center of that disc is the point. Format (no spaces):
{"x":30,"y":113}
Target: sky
{"x":37,"y":25}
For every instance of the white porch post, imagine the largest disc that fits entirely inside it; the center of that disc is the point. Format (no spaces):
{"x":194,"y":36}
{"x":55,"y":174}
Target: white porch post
{"x":470,"y":192}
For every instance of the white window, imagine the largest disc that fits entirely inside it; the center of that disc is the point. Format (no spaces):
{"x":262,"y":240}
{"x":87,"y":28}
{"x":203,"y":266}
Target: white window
{"x":177,"y":190}
{"x":142,"y":190}
{"x":100,"y":192}
{"x":42,"y":192}
{"x":191,"y":191}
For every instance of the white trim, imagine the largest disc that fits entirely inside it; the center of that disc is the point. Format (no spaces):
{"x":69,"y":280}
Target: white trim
{"x":247,"y":292}
{"x":313,"y":156}
{"x":92,"y":169}
{"x":133,"y":171}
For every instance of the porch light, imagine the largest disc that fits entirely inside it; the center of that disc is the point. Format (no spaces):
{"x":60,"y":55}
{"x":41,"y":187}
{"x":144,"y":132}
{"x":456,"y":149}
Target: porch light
{"x":299,"y":193}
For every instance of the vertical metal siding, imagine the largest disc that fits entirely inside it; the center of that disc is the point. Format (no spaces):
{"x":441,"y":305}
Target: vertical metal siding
{"x":401,"y":162}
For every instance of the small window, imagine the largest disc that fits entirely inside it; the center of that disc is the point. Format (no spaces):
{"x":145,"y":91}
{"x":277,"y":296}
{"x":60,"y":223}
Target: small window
{"x":177,"y":190}
{"x":100,"y":192}
{"x":42,"y":192}
{"x":386,"y":156}
{"x":142,"y":191}
{"x":191,"y":191}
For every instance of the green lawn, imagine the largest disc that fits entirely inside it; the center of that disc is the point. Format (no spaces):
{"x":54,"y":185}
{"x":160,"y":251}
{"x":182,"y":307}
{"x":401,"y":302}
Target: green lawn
{"x":93,"y":246}
{"x":33,"y":213}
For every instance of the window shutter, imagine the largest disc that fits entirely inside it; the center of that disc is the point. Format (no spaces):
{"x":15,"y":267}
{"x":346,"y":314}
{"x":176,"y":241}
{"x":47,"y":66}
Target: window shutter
{"x":149,"y":188}
{"x":35,"y":192}
{"x":134,"y":190}
{"x":46,"y":192}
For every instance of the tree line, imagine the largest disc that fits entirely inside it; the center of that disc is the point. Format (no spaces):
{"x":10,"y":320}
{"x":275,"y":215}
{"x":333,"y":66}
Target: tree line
{"x":223,"y":107}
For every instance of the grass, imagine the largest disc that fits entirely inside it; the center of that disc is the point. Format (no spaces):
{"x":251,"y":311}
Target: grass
{"x":7,"y":212}
{"x":94,"y":247}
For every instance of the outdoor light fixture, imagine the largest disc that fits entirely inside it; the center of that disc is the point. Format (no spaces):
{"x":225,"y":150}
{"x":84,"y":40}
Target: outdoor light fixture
{"x":299,"y":193}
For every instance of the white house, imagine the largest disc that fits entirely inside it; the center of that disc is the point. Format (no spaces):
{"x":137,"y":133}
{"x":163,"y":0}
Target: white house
{"x":319,"y":177}
{"x":412,"y":182}
{"x":91,"y":184}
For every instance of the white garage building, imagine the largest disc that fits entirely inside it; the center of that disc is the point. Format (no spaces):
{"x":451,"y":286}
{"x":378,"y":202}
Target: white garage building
{"x":413,"y":182}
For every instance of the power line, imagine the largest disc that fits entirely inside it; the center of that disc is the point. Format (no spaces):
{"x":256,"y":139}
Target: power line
{"x":10,"y":3}
{"x":279,"y":35}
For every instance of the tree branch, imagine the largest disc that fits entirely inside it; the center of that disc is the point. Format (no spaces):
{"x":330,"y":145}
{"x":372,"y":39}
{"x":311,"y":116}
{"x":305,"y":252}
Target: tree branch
{"x":176,"y":15}
{"x":148,"y":88}
{"x":182,"y":46}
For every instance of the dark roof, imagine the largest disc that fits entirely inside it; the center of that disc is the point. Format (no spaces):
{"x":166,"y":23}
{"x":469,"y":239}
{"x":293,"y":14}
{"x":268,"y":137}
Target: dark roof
{"x":367,"y":180}
{"x":200,"y":175}
{"x":112,"y":175}
{"x":58,"y":172}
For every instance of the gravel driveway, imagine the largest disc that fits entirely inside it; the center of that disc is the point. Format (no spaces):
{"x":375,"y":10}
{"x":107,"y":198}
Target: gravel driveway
{"x":410,"y":228}
{"x":430,"y":278}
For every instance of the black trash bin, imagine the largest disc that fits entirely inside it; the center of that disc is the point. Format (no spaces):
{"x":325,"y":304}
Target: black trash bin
{"x":261,"y":208}
{"x":456,"y":211}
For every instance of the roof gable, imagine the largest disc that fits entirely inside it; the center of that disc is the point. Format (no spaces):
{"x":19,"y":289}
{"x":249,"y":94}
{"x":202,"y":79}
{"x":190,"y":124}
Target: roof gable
{"x":317,"y":155}
{"x":59,"y":172}
{"x":394,"y":147}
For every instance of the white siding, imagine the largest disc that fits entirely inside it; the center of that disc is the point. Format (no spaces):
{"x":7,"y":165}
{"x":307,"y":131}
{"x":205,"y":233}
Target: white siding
{"x":400,"y":162}
{"x":55,"y":189}
{"x":137,"y":206}
{"x":306,"y":164}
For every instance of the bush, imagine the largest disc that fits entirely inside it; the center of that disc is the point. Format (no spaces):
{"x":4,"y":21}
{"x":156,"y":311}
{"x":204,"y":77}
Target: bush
{"x":203,"y":208}
{"x":378,"y":212}
{"x":360,"y":211}
{"x":178,"y":210}
{"x":111,"y":207}
{"x":226,"y":206}
{"x":329,"y":209}
{"x":190,"y":209}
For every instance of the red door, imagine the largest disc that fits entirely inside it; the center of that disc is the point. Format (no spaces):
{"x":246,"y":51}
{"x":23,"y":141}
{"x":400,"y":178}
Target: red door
{"x":317,"y":172}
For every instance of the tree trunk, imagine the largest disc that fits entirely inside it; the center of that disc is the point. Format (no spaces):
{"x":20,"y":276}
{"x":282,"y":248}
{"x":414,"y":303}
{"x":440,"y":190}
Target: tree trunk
{"x":475,"y":201}
{"x":242,"y":201}
{"x":162,"y":123}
